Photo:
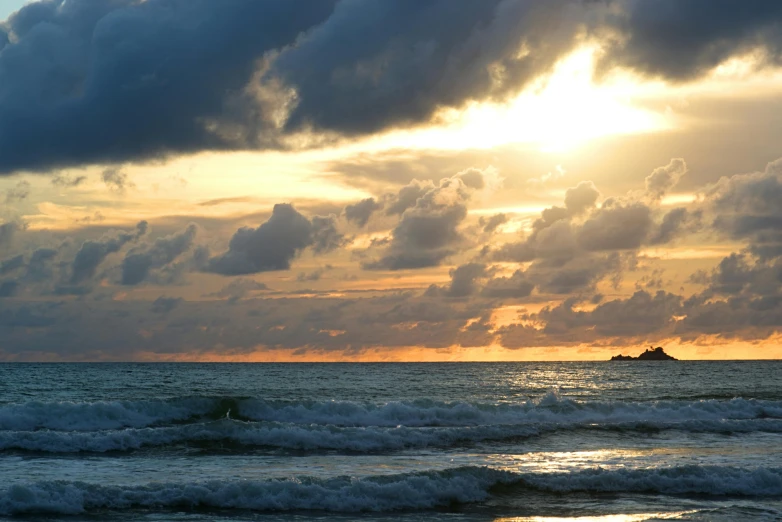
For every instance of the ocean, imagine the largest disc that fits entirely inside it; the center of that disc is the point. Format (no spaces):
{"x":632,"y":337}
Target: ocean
{"x":445,"y":442}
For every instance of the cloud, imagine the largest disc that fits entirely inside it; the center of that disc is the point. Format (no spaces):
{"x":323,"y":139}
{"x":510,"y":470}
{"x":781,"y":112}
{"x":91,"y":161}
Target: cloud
{"x":139,"y":261}
{"x":663,"y":179}
{"x":428,"y":230}
{"x":516,"y":286}
{"x":491,"y":224}
{"x":573,"y":248}
{"x":38,"y":268}
{"x":7,"y":232}
{"x":378,"y":64}
{"x":674,"y":223}
{"x":239,"y":288}
{"x":65,"y":181}
{"x":274,"y":244}
{"x":18,"y":193}
{"x":581,"y":198}
{"x":638,"y":316}
{"x":616,"y":226}
{"x":408,"y":196}
{"x":464,"y":281}
{"x":114,"y":82}
{"x":164,"y":305}
{"x":8,"y":288}
{"x":325,"y":236}
{"x":109,"y":82}
{"x":122,"y":330}
{"x":478,"y":279}
{"x":676,"y":40}
{"x":315,"y":275}
{"x":116,"y":180}
{"x":11,"y":264}
{"x":359,"y":213}
{"x":93,"y":253}
{"x":746,"y":207}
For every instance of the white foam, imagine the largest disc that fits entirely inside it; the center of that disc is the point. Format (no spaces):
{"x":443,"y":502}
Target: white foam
{"x":551,"y":409}
{"x":388,"y":493}
{"x":345,"y":494}
{"x":277,"y":435}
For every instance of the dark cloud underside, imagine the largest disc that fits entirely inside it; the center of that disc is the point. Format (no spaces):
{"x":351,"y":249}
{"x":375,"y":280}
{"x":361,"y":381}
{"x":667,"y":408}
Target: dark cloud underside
{"x":84,"y":82}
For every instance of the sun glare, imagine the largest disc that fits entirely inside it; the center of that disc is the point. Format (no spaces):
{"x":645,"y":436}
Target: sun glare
{"x":556,"y":113}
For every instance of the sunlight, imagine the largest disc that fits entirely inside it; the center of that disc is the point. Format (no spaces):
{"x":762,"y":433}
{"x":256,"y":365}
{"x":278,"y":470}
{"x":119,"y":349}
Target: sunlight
{"x":636,"y":517}
{"x":555,"y":114}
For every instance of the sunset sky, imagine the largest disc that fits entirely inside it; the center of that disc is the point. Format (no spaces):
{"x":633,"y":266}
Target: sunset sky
{"x":388,"y":180}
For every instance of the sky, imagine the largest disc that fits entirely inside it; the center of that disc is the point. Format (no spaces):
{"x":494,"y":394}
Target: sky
{"x":378,"y":180}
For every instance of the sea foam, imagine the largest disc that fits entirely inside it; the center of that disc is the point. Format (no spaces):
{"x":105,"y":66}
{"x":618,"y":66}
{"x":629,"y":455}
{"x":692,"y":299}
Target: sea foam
{"x":388,"y":493}
{"x":92,"y":416}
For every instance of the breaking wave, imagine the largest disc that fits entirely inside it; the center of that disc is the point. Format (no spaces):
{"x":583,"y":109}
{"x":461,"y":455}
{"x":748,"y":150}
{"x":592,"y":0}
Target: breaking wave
{"x":351,"y":426}
{"x":381,"y":493}
{"x":229,"y":434}
{"x":91,"y":416}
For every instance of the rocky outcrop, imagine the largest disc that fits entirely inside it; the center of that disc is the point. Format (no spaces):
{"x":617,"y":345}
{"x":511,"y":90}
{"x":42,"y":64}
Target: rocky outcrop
{"x":652,"y":354}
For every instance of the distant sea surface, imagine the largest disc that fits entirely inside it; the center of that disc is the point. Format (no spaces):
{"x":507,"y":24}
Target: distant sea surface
{"x":451,"y":442}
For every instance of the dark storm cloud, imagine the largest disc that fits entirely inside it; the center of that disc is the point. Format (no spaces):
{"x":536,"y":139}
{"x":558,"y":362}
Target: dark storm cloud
{"x":682,"y":39}
{"x":359,"y":213}
{"x":274,"y":244}
{"x":85,"y":82}
{"x":377,"y":63}
{"x":104,"y":82}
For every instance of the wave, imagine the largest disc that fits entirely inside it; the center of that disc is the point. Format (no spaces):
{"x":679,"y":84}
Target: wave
{"x":104,"y":415}
{"x":680,"y":480}
{"x":550,"y":409}
{"x":381,"y":493}
{"x":251,"y":434}
{"x":231,"y":435}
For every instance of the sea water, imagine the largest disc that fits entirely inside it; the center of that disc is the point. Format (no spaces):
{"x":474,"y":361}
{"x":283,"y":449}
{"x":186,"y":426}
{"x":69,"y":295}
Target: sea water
{"x":460,"y":441}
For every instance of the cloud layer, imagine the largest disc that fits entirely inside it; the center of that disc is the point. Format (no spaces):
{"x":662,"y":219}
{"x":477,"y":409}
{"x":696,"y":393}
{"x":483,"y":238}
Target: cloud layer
{"x":88,"y":82}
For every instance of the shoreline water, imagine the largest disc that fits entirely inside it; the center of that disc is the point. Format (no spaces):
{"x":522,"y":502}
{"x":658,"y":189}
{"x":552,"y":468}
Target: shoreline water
{"x":484,"y":441}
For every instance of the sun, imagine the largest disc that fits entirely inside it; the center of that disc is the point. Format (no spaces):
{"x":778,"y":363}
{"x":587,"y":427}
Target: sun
{"x":556,"y":113}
